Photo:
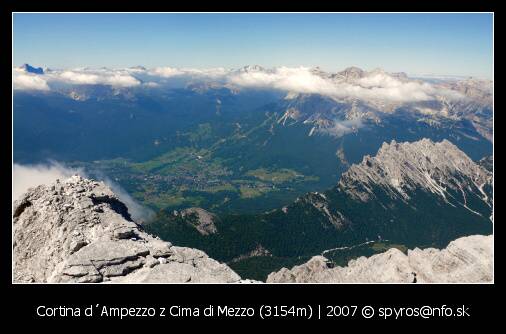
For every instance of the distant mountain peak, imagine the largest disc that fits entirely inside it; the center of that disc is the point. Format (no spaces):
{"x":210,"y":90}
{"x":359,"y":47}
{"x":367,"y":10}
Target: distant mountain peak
{"x":352,"y":72}
{"x":30,"y":69}
{"x":252,"y":68}
{"x":401,"y":168}
{"x":352,"y":69}
{"x":138,"y":67}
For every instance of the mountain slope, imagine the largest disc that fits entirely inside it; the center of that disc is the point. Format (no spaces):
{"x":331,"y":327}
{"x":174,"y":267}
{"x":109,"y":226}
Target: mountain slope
{"x":465,"y":260}
{"x":401,"y":168}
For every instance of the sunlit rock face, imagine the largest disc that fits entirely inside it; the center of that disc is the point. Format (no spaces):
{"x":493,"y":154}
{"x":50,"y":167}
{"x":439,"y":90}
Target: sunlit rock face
{"x":465,"y":260}
{"x":77,"y":230}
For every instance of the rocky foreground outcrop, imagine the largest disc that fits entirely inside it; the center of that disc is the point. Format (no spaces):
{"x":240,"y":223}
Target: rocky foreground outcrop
{"x":77,"y":230}
{"x":465,"y":260}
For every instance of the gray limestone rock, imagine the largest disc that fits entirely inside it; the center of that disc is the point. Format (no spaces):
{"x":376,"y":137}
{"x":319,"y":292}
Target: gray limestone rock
{"x":401,"y":168}
{"x":78,"y":231}
{"x":202,"y":220}
{"x":465,"y":260}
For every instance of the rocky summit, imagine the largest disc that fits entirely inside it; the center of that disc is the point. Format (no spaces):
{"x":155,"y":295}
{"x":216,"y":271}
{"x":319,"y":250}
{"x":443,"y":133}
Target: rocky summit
{"x":465,"y":260}
{"x":77,"y":230}
{"x":401,"y":168}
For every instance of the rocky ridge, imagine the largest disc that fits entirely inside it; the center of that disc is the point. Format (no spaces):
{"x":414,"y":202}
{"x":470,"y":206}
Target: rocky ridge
{"x":202,"y":220}
{"x":465,"y":260}
{"x":77,"y":230}
{"x":401,"y":168}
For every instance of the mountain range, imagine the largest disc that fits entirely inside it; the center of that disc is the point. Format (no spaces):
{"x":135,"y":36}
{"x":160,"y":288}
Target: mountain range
{"x":265,"y":168}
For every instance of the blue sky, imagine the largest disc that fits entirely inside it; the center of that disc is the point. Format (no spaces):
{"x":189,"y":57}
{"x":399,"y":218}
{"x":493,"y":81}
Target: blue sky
{"x":443,"y":44}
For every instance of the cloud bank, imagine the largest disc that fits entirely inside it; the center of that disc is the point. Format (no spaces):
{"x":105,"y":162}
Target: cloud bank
{"x":341,"y":128}
{"x":116,"y":79}
{"x":23,"y":80}
{"x":378,"y":86}
{"x":27,"y":81}
{"x":375,"y":85}
{"x":170,"y":72}
{"x":25,"y":177}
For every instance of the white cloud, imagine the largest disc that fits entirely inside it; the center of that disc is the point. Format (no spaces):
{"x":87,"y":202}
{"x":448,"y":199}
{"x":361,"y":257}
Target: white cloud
{"x":165,"y":72}
{"x":379,"y":86}
{"x":80,"y":78}
{"x":170,"y":72}
{"x":151,"y":84}
{"x":27,"y":81}
{"x":341,"y":128}
{"x":299,"y":80}
{"x":379,"y":79}
{"x":29,"y":176}
{"x":376,"y":85}
{"x":113,"y":78}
